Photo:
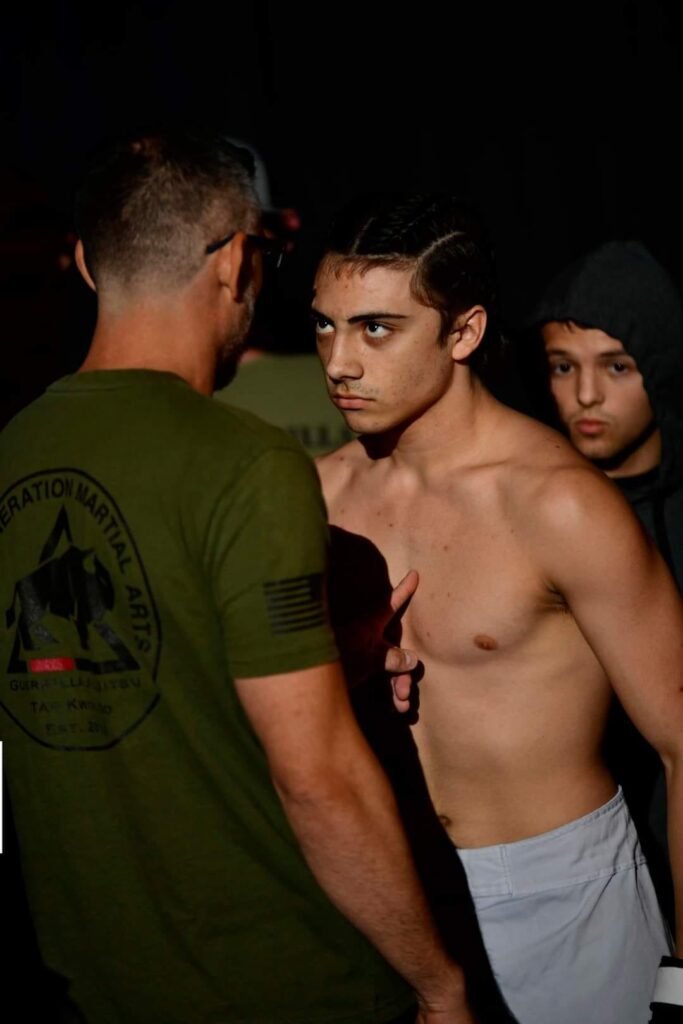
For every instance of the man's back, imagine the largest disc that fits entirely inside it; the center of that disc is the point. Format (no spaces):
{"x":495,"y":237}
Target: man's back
{"x":164,"y":878}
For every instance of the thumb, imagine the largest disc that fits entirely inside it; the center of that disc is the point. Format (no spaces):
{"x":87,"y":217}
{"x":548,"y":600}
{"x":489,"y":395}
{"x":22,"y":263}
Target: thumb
{"x":404,"y":590}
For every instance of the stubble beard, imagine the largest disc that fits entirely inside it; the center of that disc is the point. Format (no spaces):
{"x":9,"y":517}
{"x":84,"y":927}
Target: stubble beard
{"x":611,"y":455}
{"x":233,"y":347}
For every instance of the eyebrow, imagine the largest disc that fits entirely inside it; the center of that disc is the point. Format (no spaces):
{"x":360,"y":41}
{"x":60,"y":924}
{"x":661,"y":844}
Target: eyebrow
{"x":361,"y":317}
{"x":602,"y":355}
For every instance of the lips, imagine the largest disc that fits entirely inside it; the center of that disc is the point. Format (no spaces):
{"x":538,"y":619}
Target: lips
{"x":349,"y":401}
{"x":590,"y":428}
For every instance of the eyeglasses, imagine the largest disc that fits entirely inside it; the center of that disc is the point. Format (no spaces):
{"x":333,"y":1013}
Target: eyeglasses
{"x":271,"y":248}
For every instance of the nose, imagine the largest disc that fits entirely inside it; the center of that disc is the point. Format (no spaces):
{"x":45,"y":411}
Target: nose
{"x":588,"y":388}
{"x":341,"y":360}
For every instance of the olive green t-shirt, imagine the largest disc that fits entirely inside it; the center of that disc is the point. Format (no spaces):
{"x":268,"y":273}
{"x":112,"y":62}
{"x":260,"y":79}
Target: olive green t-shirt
{"x":155,"y":545}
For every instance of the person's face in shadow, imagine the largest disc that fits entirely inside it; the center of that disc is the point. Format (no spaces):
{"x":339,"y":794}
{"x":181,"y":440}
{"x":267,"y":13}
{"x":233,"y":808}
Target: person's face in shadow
{"x":380,"y":347}
{"x":601,"y":398}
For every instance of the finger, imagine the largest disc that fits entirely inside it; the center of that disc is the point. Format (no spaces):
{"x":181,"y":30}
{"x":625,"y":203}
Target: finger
{"x":404,"y":590}
{"x":402,"y":686}
{"x":398,"y":659}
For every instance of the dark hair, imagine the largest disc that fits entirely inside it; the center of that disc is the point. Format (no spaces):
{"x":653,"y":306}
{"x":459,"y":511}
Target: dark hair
{"x":149,"y":205}
{"x":440,"y":236}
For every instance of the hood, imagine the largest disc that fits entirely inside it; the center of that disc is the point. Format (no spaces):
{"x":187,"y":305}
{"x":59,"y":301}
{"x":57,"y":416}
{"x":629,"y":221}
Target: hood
{"x":621,"y":289}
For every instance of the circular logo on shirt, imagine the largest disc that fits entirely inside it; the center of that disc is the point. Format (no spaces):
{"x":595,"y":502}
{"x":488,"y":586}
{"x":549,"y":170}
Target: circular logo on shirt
{"x":80,"y":636}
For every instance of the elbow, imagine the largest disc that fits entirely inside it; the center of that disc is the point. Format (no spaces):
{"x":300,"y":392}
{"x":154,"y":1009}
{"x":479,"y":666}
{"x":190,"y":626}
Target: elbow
{"x":309,"y":789}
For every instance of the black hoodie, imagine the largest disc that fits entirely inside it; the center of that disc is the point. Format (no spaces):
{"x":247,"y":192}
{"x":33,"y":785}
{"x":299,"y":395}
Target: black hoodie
{"x":620,"y":289}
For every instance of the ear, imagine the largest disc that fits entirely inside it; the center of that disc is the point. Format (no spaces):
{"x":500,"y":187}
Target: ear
{"x":467,"y":332}
{"x":82,"y":266}
{"x":234,"y":266}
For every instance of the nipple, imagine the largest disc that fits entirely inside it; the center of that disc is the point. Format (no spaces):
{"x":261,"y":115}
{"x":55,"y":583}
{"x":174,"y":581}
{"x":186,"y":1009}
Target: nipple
{"x":486,"y":643}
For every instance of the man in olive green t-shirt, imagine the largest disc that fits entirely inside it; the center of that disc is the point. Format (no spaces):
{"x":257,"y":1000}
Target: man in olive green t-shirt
{"x":168,"y":669}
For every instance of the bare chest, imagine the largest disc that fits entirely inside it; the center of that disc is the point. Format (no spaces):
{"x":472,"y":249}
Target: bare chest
{"x":480,"y":596}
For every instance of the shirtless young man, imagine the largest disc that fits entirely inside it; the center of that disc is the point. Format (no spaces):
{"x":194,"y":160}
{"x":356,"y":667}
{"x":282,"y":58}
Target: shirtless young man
{"x":539,"y":594}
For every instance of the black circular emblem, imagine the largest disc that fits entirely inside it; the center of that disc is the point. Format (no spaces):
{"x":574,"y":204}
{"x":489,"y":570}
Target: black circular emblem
{"x":80,"y":637}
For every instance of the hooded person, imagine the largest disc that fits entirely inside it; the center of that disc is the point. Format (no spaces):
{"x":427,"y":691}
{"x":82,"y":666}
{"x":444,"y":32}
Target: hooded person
{"x":621,"y":291}
{"x":612,"y":328}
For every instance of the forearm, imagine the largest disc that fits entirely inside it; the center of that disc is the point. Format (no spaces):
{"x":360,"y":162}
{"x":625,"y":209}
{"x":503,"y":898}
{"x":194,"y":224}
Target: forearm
{"x":343,"y":813}
{"x":351,"y":836}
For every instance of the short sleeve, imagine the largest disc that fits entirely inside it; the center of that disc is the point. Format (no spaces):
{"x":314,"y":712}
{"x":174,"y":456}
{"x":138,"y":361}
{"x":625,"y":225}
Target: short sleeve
{"x":267,"y":552}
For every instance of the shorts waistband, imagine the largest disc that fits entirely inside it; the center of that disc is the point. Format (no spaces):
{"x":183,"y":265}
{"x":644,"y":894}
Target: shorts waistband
{"x":597,"y":844}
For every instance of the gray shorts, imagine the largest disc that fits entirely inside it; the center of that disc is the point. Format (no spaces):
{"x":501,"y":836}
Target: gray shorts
{"x":570,"y":920}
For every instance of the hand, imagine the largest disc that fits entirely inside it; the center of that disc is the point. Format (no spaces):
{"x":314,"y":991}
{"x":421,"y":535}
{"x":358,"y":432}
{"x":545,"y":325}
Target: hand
{"x":667,"y":1000}
{"x":365,"y":649}
{"x":402,"y":684}
{"x":399,"y":661}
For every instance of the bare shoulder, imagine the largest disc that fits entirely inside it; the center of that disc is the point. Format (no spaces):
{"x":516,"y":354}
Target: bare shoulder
{"x":337,"y":469}
{"x":535,"y":446}
{"x":543,"y":465}
{"x":554,"y":492}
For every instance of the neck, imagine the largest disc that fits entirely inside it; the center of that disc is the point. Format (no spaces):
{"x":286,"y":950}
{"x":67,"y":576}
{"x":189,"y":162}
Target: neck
{"x":154,"y":334}
{"x":450,"y":433}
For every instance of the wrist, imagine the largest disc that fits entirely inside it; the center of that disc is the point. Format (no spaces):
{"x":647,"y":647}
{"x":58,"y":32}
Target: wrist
{"x":447,"y":987}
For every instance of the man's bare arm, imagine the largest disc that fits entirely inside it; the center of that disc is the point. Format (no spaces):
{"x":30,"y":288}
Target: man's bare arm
{"x":628,"y":608}
{"x":343,"y":813}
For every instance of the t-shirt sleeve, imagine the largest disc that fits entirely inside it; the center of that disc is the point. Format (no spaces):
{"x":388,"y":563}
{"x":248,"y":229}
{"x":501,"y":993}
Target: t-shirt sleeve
{"x":268,"y":556}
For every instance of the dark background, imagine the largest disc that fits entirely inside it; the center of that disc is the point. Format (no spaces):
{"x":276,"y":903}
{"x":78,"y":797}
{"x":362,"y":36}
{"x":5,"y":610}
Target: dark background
{"x":561,"y":122}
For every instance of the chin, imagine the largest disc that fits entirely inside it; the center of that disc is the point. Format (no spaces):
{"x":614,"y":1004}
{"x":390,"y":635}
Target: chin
{"x":605,"y":456}
{"x":228,"y":363}
{"x":596,"y":453}
{"x":593,"y":448}
{"x":367,"y":424}
{"x":225,"y":373}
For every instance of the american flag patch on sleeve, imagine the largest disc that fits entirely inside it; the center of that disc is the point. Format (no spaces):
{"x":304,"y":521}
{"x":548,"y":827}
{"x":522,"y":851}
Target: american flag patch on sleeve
{"x":295,"y":604}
